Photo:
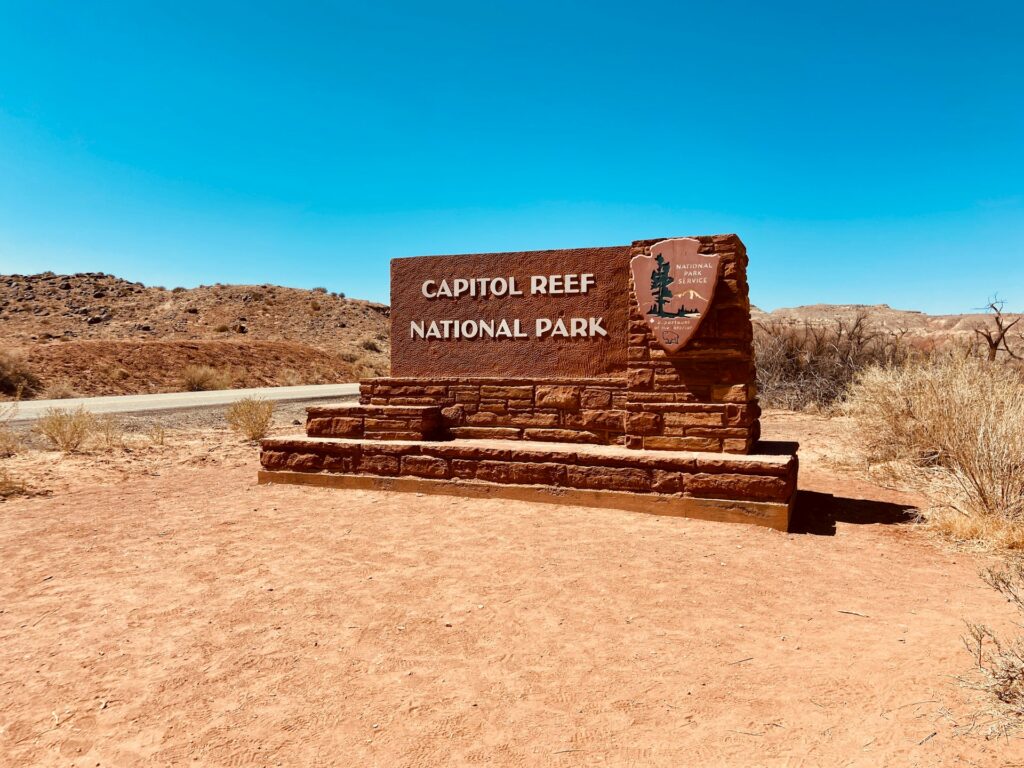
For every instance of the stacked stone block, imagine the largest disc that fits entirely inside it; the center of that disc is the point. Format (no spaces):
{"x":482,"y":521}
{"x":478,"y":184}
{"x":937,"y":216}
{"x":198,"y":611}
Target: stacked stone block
{"x":606,"y":468}
{"x":378,"y":422}
{"x":703,"y":397}
{"x":555,"y":410}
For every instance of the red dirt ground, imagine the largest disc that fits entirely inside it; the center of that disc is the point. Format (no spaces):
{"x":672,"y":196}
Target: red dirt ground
{"x":190,"y":617}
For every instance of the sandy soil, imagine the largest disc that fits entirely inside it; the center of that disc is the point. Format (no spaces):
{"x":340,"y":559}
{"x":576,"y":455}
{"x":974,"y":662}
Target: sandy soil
{"x":161,"y":609}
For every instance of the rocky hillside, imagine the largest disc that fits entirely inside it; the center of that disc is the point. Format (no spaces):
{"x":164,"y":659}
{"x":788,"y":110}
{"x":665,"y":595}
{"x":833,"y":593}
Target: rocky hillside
{"x":936,"y":329}
{"x":92,"y":333}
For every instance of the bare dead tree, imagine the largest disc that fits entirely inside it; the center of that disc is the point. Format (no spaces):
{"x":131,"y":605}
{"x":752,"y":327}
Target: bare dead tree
{"x":995,"y":338}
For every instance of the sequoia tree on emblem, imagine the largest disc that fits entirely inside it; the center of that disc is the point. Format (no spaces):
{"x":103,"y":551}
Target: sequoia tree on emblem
{"x":674,"y":287}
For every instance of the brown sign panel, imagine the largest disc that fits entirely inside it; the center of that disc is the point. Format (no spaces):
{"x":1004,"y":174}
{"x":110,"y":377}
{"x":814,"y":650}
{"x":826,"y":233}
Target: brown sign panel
{"x":674,"y":287}
{"x":537,"y":314}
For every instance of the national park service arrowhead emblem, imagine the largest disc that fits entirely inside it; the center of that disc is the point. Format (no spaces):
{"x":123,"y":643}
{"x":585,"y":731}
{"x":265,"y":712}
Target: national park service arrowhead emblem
{"x":674,"y":287}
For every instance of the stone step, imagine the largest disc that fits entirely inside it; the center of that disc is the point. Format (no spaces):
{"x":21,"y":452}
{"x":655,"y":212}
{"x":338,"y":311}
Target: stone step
{"x":755,"y":488}
{"x":376,"y":422}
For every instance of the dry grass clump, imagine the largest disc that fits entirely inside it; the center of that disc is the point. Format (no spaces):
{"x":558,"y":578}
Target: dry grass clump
{"x":251,"y":416}
{"x":10,"y":486}
{"x":10,"y":441}
{"x":66,"y":430}
{"x":59,"y":390}
{"x":999,"y":662}
{"x":807,"y":366}
{"x":109,"y":432}
{"x":953,"y":428}
{"x":203,"y":378}
{"x":157,"y":434}
{"x":16,"y":379}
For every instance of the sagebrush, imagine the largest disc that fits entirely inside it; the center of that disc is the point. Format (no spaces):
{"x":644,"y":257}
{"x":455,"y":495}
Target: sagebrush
{"x":66,"y":430}
{"x":251,"y":416}
{"x":16,"y":378}
{"x":203,"y":378}
{"x":10,"y":441}
{"x":999,"y":661}
{"x":954,"y":428}
{"x":10,"y":486}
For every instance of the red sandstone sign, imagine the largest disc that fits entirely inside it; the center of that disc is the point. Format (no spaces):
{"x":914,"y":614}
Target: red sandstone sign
{"x":541,"y":313}
{"x":674,"y":286}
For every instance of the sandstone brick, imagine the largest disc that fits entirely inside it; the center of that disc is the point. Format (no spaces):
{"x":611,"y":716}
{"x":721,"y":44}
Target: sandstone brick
{"x":338,"y":463}
{"x":640,"y":378}
{"x":608,"y":478}
{"x":643,"y":423}
{"x":497,"y":407}
{"x":562,"y":435}
{"x":464,"y":469}
{"x":304,"y":462}
{"x":382,"y":425}
{"x":454,"y":415}
{"x":734,"y":486}
{"x":720,"y":432}
{"x":378,"y":465}
{"x":521,"y":472}
{"x":596,"y":420}
{"x":736,"y":393}
{"x":736,"y":415}
{"x":734,"y":445}
{"x":692,"y":419}
{"x":494,"y":433}
{"x":666,"y":482}
{"x":389,"y":448}
{"x":659,"y":443}
{"x":482,"y":418}
{"x":557,"y":397}
{"x":635,"y":442}
{"x":425,"y":466}
{"x":412,"y":401}
{"x":595,"y":398}
{"x":335,"y":427}
{"x":527,"y":419}
{"x":507,"y":393}
{"x":272,"y":460}
{"x":393,"y":434}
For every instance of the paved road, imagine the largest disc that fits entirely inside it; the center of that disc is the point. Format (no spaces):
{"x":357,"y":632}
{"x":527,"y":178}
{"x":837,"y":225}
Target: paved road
{"x":179,"y":401}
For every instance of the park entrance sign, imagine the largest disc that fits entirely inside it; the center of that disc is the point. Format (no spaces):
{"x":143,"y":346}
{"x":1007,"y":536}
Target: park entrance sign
{"x":620,"y":377}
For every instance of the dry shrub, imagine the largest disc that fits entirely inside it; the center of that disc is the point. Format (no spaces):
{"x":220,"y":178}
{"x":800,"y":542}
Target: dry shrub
{"x":109,"y":432}
{"x":289,"y":377}
{"x":806,"y":366}
{"x":59,"y":390}
{"x":999,"y":662}
{"x":66,"y":430}
{"x":157,"y":434}
{"x":251,"y":416}
{"x":10,"y":486}
{"x":10,"y":441}
{"x":954,"y":429}
{"x":203,"y":378}
{"x":370,"y":345}
{"x":16,"y":379}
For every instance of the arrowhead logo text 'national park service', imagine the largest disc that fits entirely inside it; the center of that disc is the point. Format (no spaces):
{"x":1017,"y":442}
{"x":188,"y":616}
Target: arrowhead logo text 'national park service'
{"x":674,"y":287}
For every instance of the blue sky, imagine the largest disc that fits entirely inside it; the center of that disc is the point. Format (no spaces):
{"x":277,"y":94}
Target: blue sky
{"x":866,"y":152}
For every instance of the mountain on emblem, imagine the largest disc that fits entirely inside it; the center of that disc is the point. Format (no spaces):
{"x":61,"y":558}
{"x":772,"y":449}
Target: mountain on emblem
{"x":671,"y":286}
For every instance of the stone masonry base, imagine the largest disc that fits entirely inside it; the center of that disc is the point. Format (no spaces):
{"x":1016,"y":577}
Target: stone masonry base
{"x":756,"y":488}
